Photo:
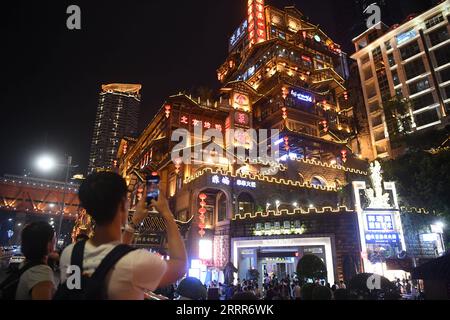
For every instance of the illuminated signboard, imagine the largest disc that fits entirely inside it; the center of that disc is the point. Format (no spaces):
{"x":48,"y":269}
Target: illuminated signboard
{"x":302,"y":96}
{"x":238,"y":34}
{"x":382,"y":238}
{"x":246,"y":184}
{"x":216,"y":179}
{"x":405,"y":36}
{"x":241,"y":101}
{"x":256,"y":22}
{"x":379,"y":222}
{"x":220,"y":180}
{"x":242,"y":119}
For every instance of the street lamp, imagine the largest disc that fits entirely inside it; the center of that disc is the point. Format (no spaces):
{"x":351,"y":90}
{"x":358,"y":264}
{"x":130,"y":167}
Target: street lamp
{"x":47,"y":163}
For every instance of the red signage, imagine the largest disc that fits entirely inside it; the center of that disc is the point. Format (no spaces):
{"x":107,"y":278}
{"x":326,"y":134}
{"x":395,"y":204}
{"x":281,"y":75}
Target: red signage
{"x":256,"y":22}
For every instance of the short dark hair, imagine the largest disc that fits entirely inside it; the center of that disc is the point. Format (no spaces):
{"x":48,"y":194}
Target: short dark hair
{"x":35,"y":239}
{"x":100,"y":194}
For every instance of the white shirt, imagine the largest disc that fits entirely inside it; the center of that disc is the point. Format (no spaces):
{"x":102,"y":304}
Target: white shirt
{"x":137,"y":271}
{"x":31,"y":278}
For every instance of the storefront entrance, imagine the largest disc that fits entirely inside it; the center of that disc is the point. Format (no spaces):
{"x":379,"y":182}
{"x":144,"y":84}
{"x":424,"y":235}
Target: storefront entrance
{"x":278,"y":257}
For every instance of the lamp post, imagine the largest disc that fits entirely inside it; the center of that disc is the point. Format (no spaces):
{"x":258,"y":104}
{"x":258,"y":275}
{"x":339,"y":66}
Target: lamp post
{"x":47,"y":163}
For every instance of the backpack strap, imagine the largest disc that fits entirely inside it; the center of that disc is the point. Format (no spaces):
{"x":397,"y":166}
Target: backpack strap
{"x":78,"y":254}
{"x":99,"y":276}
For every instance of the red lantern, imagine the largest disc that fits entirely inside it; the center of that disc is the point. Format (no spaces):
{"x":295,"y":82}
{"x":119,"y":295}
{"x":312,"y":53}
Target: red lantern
{"x":167,"y":108}
{"x":202,"y":211}
{"x":344,"y":156}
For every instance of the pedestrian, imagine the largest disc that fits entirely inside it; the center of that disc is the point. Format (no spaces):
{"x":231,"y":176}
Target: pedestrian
{"x":37,"y":282}
{"x":104,"y":196}
{"x":342,"y":285}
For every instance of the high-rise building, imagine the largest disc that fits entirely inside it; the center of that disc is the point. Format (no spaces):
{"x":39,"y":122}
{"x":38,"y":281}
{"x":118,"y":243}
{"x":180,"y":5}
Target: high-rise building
{"x":117,"y":117}
{"x":409,"y":61}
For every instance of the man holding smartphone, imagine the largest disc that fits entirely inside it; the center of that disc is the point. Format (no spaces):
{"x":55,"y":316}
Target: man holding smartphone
{"x":104,"y":196}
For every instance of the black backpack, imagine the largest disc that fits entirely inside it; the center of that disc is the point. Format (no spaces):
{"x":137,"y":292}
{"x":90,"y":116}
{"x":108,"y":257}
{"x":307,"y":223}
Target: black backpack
{"x":92,"y":287}
{"x":8,"y":287}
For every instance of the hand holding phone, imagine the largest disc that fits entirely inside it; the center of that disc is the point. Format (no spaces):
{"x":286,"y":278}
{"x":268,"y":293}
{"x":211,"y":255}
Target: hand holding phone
{"x":152,"y":188}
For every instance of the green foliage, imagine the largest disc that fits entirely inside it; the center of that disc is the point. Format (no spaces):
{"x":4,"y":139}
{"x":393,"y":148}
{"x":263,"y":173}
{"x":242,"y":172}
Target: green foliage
{"x":398,"y":120}
{"x":422,"y":179}
{"x":311,"y":267}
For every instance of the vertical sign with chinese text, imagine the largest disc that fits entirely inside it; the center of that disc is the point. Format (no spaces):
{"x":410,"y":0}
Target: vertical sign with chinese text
{"x":256,"y":22}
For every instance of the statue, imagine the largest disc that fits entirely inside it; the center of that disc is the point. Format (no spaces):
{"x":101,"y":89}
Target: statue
{"x":228,"y":272}
{"x":377,"y":198}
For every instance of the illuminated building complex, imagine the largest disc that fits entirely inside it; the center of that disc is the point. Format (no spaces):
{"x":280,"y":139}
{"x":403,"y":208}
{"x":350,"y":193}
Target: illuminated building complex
{"x":117,"y":117}
{"x":282,"y":73}
{"x":412,"y":61}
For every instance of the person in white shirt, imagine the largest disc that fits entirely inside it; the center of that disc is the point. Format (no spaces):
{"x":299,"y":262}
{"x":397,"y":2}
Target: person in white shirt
{"x":37,"y":282}
{"x":104,"y":196}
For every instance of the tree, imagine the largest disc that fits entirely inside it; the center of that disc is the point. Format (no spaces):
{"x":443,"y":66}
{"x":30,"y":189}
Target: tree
{"x":311,"y":267}
{"x":422,"y":179}
{"x":398,"y":119}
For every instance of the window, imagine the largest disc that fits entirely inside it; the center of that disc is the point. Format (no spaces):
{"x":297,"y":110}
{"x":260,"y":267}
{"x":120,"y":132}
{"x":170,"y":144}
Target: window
{"x":399,"y":93}
{"x":445,"y":75}
{"x":419,"y":86}
{"x":438,"y":36}
{"x":395,"y":78}
{"x":422,"y":101}
{"x":414,"y":68}
{"x":379,"y":136}
{"x":388,"y":45}
{"x":391,"y":59}
{"x":374,"y":107}
{"x":426,"y":117}
{"x":377,"y":58}
{"x":447,"y":92}
{"x":368,"y":73}
{"x":381,"y":149}
{"x":371,"y":91}
{"x":383,"y":83}
{"x":434,"y":20}
{"x":372,"y":36}
{"x":365,"y":59}
{"x":442,"y":55}
{"x":377,"y":121}
{"x":409,"y":50}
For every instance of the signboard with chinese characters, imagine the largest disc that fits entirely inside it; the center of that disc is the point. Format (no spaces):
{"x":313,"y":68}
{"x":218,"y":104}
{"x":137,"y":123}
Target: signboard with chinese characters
{"x":242,"y":119}
{"x":246,"y":184}
{"x":191,"y":121}
{"x":238,"y":34}
{"x":302,"y":96}
{"x":241,"y":102}
{"x":256,"y":22}
{"x":379,"y":222}
{"x":383,"y":238}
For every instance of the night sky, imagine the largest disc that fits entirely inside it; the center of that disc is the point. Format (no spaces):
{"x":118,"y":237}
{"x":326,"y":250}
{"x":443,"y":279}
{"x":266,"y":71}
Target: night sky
{"x":51,"y":77}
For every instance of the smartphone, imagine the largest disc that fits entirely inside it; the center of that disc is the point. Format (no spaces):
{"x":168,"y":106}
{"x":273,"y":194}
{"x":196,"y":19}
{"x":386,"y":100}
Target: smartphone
{"x":152,"y":183}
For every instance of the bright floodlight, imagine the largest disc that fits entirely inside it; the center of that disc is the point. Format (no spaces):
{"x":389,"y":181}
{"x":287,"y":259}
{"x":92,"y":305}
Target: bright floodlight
{"x":440,"y":224}
{"x":45,"y":163}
